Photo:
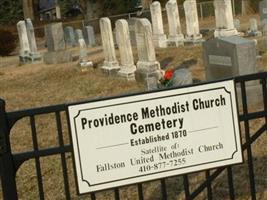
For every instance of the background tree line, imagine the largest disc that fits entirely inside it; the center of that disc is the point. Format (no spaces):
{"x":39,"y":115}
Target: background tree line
{"x":12,"y":10}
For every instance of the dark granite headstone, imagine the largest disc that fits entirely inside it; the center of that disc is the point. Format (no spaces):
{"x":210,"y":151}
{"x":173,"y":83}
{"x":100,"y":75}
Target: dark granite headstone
{"x":70,"y":36}
{"x":131,"y":23}
{"x":55,"y":37}
{"x":89,"y":36}
{"x":229,"y":57}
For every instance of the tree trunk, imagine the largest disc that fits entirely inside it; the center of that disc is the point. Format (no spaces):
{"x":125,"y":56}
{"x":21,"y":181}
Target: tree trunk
{"x":28,"y":9}
{"x":245,"y":7}
{"x":146,"y":4}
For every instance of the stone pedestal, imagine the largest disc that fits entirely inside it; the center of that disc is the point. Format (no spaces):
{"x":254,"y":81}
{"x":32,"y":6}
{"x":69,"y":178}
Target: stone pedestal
{"x":56,"y":57}
{"x":225,"y":32}
{"x":160,"y":41}
{"x":176,"y":40}
{"x":110,"y":67}
{"x":196,"y":39}
{"x":127,"y":73}
{"x":147,"y":70}
{"x":28,"y":58}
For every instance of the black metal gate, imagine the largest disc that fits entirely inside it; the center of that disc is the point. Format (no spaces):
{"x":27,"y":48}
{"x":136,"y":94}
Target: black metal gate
{"x":11,"y":162}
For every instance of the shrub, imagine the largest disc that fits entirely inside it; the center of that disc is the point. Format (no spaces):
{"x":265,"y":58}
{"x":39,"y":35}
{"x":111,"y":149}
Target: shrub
{"x":7,"y":42}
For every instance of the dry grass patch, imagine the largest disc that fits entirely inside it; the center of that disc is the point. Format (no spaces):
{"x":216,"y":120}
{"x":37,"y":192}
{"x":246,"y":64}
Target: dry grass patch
{"x":39,"y":85}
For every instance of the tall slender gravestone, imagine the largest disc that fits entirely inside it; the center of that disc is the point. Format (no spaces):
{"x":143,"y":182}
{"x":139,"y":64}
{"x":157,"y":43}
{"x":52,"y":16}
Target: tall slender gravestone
{"x":23,"y":40}
{"x":192,"y":25}
{"x":147,"y":65}
{"x":31,"y":36}
{"x":126,"y":55}
{"x":176,"y":37}
{"x":56,"y":46}
{"x":224,"y":19}
{"x":159,"y":38}
{"x":28,"y":47}
{"x":110,"y":65}
{"x":70,"y":36}
{"x":89,"y":36}
{"x":84,"y":61}
{"x":35,"y":56}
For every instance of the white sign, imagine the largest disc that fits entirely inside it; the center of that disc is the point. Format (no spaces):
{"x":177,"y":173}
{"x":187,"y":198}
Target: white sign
{"x":143,"y":137}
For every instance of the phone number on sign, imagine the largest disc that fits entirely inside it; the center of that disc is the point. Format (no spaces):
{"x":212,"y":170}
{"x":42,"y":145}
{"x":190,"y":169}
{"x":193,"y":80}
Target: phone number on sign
{"x":162,"y":165}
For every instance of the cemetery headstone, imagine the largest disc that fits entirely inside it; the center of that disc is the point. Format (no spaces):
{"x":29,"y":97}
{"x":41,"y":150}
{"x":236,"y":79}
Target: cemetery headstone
{"x":78,"y":34}
{"x":233,"y":56}
{"x":253,"y":30}
{"x":69,"y":35}
{"x":56,"y":45}
{"x":228,"y":57}
{"x":159,"y":37}
{"x":126,"y":55}
{"x":131,"y":24}
{"x":175,"y":38}
{"x":147,"y":65}
{"x":35,"y":56}
{"x":224,"y":19}
{"x":110,"y":65}
{"x":84,"y":61}
{"x":31,"y":36}
{"x":264,"y":27}
{"x":263,"y":9}
{"x":237,"y":24}
{"x":28,"y":47}
{"x":23,"y":39}
{"x":89,"y":36}
{"x":192,"y":24}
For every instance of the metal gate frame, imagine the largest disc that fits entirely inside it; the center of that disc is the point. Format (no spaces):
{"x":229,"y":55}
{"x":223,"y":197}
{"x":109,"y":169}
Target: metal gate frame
{"x":10,"y":163}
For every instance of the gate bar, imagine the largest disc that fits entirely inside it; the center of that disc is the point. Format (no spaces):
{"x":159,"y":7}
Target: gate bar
{"x":7,"y":168}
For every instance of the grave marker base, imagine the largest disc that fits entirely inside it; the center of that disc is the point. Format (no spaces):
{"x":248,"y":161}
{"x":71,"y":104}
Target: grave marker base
{"x":127,"y":73}
{"x":160,"y":41}
{"x":56,"y":57}
{"x":176,"y":41}
{"x":226,"y":32}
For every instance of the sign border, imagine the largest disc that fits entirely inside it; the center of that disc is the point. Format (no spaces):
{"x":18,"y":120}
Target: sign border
{"x":151,"y":92}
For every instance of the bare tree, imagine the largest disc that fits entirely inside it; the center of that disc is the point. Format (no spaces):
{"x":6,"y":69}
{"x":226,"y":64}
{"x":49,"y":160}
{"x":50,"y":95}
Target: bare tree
{"x":146,"y":3}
